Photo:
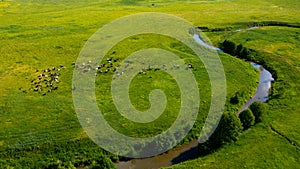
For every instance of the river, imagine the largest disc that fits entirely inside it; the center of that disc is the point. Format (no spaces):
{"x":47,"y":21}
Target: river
{"x":189,"y":151}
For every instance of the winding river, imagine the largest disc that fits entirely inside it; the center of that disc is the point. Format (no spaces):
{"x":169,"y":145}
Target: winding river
{"x":189,"y":151}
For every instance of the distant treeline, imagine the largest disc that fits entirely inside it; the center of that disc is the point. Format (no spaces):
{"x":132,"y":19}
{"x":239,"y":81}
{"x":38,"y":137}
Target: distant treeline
{"x":249,"y":24}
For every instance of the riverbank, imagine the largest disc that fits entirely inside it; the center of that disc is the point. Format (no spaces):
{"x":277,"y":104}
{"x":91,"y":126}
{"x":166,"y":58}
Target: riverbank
{"x":189,"y":151}
{"x":273,"y":142}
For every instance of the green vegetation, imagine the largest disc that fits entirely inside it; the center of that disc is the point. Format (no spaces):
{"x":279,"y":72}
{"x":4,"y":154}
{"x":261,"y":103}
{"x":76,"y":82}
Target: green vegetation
{"x":273,"y":143}
{"x":39,"y":131}
{"x":259,"y":110}
{"x":65,"y":154}
{"x":227,"y":131}
{"x":247,"y":118}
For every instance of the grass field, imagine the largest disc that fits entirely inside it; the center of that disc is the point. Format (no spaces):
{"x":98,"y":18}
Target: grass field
{"x":38,"y":35}
{"x":275,"y":142}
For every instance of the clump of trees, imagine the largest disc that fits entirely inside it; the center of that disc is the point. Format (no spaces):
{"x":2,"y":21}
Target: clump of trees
{"x":230,"y":127}
{"x":227,"y":131}
{"x":248,"y":54}
{"x":253,"y":114}
{"x":237,"y":50}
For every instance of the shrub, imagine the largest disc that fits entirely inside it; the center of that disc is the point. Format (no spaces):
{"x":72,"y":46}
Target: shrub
{"x":235,"y":99}
{"x":239,"y":49}
{"x":258,"y":109}
{"x":247,"y":118}
{"x":229,"y":47}
{"x":227,"y":131}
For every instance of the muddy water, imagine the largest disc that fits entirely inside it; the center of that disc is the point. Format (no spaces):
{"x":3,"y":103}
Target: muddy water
{"x":174,"y":156}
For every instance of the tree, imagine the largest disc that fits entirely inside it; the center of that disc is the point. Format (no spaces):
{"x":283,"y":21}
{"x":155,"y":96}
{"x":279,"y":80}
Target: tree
{"x":239,"y":49}
{"x":229,"y":47}
{"x":227,"y":131}
{"x":258,"y":109}
{"x":247,"y":118}
{"x":235,"y":99}
{"x":245,"y":53}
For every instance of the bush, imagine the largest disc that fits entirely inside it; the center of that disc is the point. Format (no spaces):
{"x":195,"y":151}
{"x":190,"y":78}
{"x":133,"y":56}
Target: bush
{"x":239,"y":49}
{"x":247,"y":118}
{"x":227,"y":131}
{"x":245,"y":54}
{"x":102,"y":163}
{"x":235,"y":99}
{"x":229,"y":47}
{"x":258,"y":109}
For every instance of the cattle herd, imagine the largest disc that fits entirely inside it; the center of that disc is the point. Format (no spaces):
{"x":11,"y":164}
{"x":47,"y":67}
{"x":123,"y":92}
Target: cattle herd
{"x":111,"y":64}
{"x":47,"y":80}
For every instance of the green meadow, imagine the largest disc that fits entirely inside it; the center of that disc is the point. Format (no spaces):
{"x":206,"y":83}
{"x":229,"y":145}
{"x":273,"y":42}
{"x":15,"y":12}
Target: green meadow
{"x":40,"y":129}
{"x":274,"y":143}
